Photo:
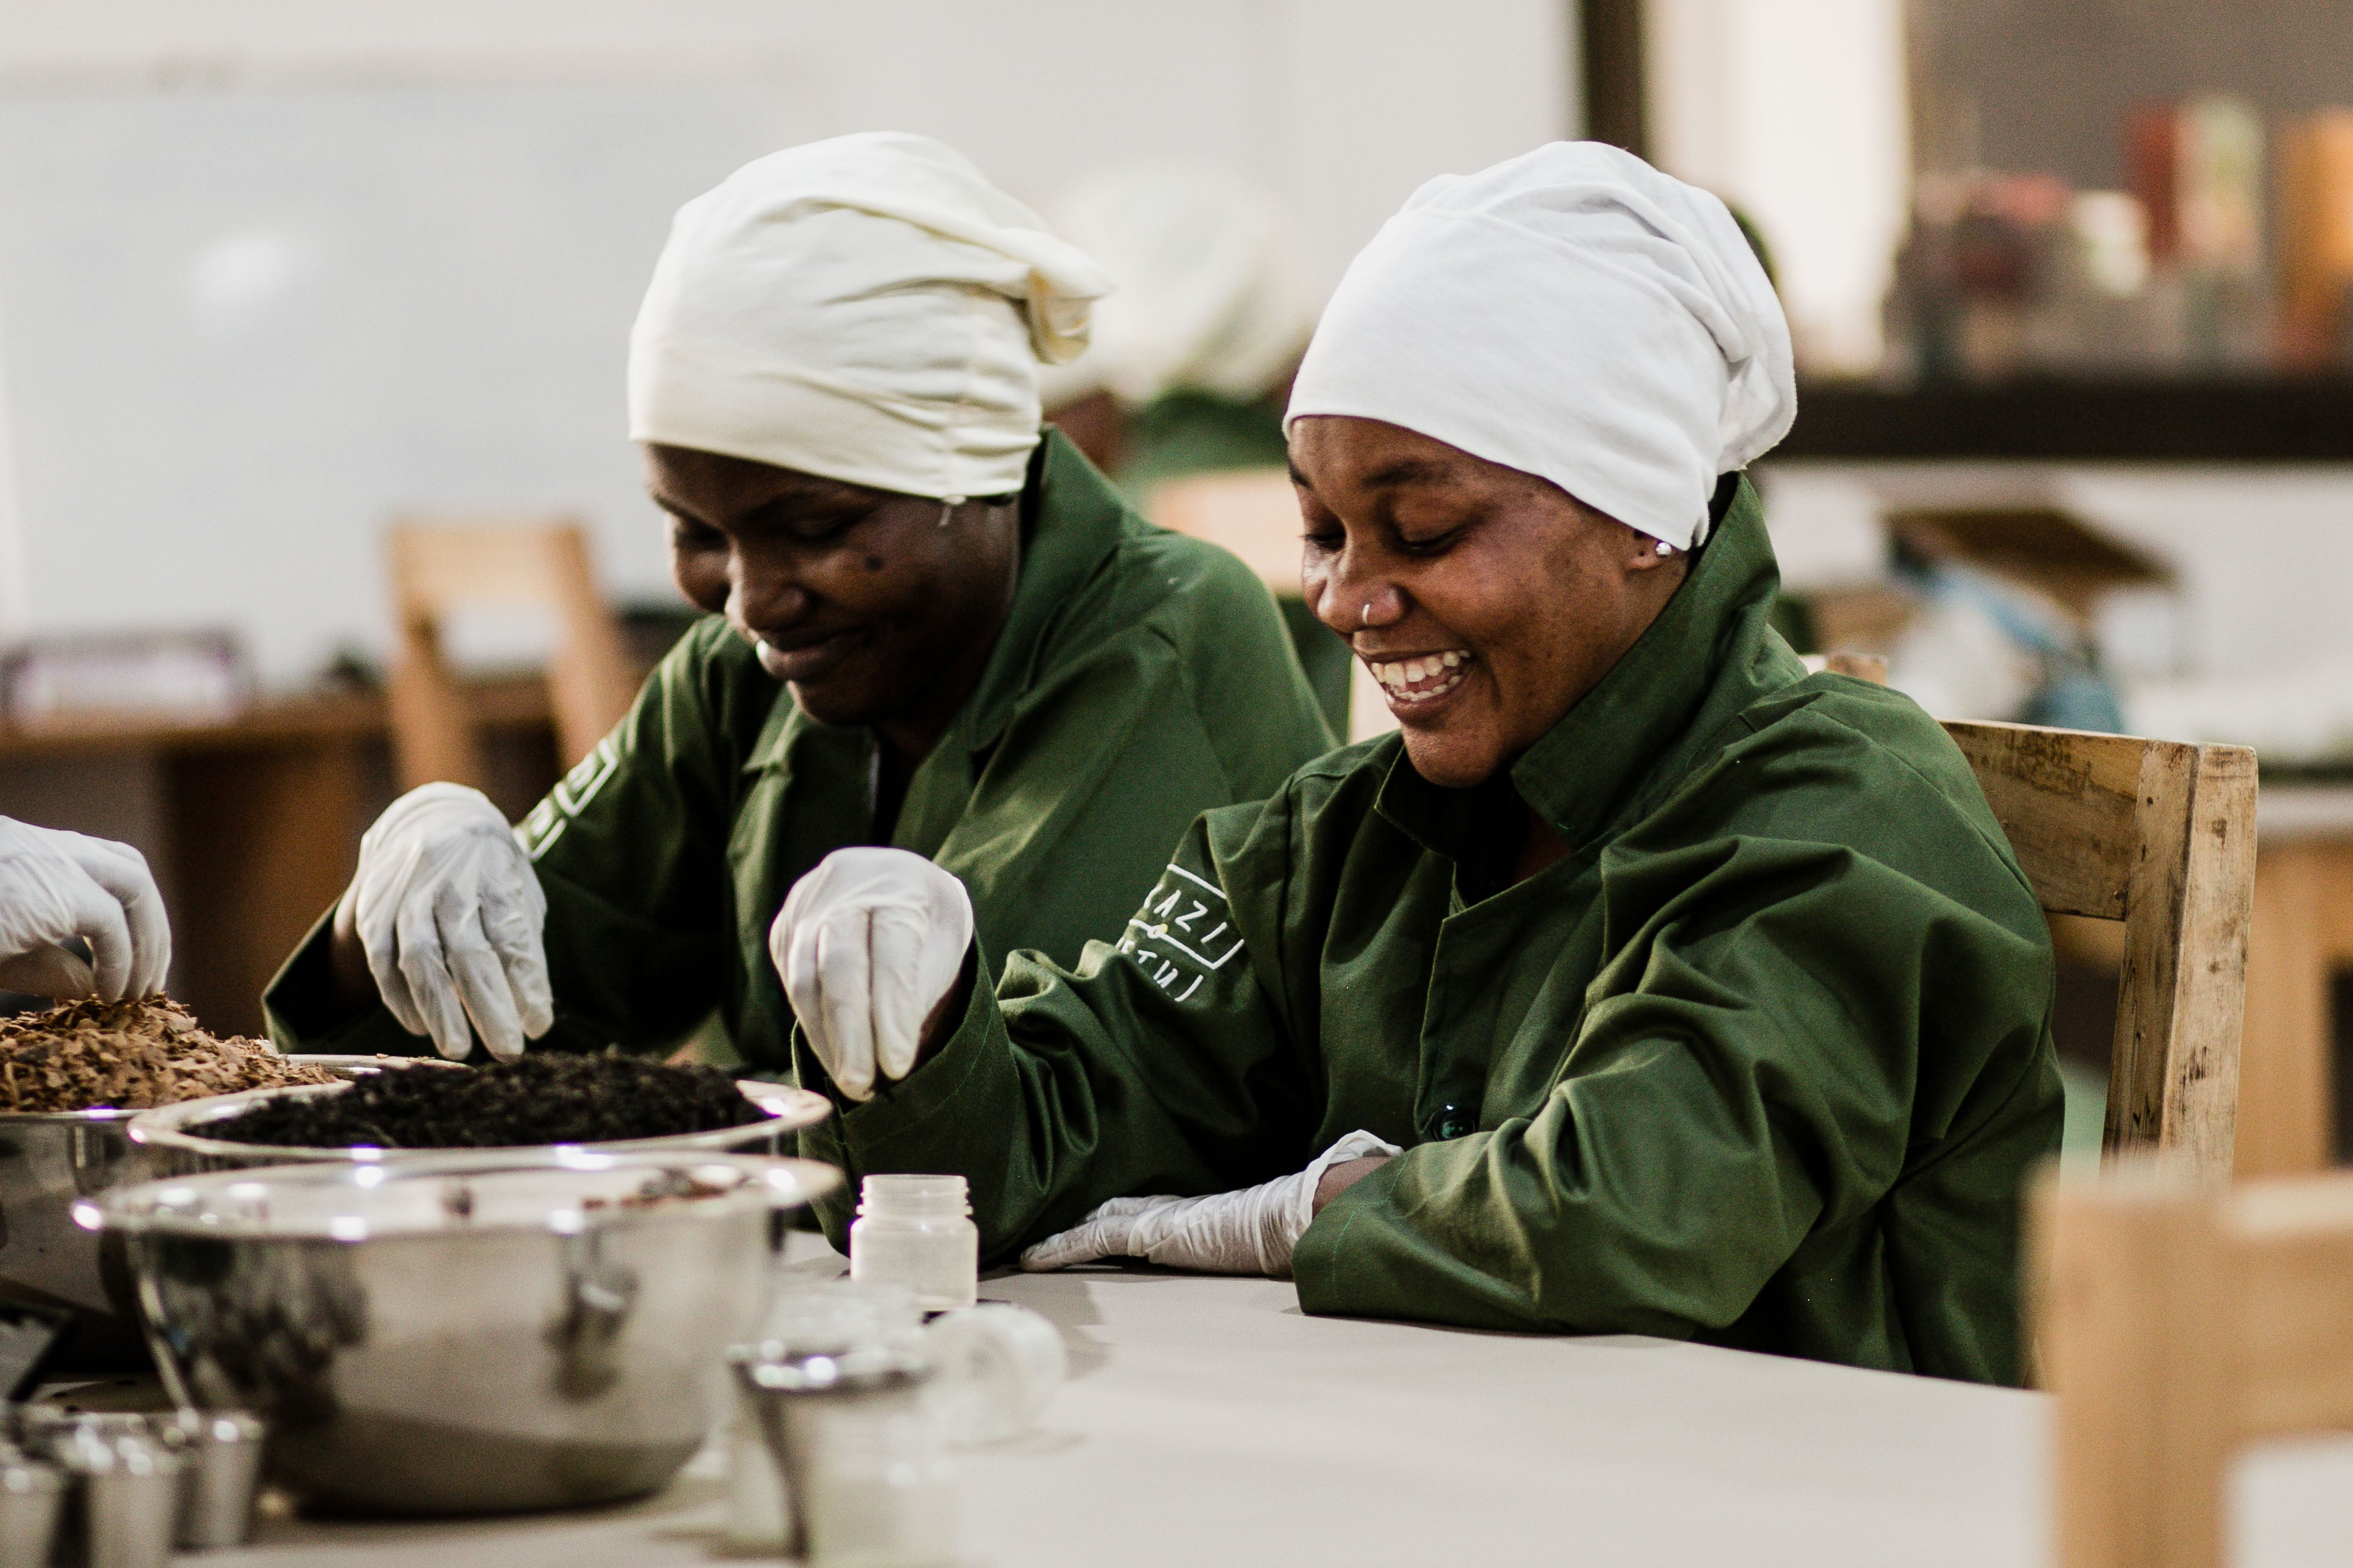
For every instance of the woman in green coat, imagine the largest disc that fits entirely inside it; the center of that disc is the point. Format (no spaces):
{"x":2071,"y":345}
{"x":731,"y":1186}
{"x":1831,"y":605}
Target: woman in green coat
{"x":930,"y":626}
{"x":1640,"y":984}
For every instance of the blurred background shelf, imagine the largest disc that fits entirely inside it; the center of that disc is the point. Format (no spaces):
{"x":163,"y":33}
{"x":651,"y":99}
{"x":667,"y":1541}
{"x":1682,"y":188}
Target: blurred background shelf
{"x":2247,"y":420}
{"x":252,"y":823}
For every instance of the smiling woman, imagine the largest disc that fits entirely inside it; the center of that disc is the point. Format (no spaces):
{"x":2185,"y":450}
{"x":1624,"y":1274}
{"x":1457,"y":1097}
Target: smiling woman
{"x":1642,"y":982}
{"x":878,"y":610}
{"x":929,"y":627}
{"x":1485,"y":601}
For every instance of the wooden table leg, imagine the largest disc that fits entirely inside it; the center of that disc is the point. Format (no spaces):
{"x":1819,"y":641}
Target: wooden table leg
{"x":2285,"y":1120}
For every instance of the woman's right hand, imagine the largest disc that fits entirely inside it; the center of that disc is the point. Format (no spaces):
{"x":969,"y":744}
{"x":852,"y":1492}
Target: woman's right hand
{"x":56,"y":885}
{"x":870,"y":946}
{"x":449,"y":914}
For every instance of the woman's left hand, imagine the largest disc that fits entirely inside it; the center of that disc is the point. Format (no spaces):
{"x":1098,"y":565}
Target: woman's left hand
{"x":1250,"y":1231}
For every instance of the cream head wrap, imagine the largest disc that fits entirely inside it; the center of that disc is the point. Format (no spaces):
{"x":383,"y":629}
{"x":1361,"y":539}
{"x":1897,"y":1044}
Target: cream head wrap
{"x":1213,"y":295}
{"x":869,"y":309}
{"x":1572,"y":314}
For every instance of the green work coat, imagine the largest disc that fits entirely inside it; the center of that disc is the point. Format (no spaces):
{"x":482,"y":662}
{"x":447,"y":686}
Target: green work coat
{"x":1141,"y":677}
{"x":1186,"y":432}
{"x":1762,"y":1062}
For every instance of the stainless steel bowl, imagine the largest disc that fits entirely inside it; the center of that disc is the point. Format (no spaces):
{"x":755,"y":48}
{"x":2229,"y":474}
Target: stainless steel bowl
{"x":173,"y":1136}
{"x":461,"y":1334}
{"x":50,"y":1160}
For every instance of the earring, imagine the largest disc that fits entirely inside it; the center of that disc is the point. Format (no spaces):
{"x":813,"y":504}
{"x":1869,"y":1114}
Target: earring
{"x":947,"y":509}
{"x":1367,"y":619}
{"x":1665,"y":549}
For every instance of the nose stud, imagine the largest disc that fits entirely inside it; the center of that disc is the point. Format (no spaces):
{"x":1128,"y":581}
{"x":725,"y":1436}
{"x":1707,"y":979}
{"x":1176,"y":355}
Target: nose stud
{"x":1367,"y":619}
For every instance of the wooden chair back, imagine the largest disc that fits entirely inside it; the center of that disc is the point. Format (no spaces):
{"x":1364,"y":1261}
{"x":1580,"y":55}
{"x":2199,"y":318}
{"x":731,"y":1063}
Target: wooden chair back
{"x":2159,"y":835}
{"x":440,"y":565}
{"x":2178,"y":1320}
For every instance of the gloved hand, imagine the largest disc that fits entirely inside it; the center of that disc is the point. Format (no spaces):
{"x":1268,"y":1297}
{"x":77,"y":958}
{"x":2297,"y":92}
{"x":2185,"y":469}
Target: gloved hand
{"x":451,"y":912}
{"x":1247,"y":1232}
{"x":56,"y":885}
{"x":868,"y":944}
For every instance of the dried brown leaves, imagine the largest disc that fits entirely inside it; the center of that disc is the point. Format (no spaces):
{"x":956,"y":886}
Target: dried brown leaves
{"x":130,"y":1056}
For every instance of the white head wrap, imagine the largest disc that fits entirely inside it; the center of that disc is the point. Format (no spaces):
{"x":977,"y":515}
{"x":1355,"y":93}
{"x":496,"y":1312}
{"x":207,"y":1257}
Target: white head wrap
{"x":1212,"y":292}
{"x":1572,"y":314}
{"x":869,"y":309}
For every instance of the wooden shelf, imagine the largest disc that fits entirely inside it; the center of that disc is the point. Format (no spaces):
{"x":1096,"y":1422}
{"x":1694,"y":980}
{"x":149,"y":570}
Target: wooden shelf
{"x":2306,"y":420}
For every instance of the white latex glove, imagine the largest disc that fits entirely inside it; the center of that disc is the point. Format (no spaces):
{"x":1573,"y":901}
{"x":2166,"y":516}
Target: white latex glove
{"x":56,"y":885}
{"x":1247,"y":1232}
{"x":451,"y":913}
{"x":868,"y":944}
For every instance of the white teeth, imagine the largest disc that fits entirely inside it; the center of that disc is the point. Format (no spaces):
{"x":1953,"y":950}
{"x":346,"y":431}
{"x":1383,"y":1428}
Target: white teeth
{"x":1398,"y":675}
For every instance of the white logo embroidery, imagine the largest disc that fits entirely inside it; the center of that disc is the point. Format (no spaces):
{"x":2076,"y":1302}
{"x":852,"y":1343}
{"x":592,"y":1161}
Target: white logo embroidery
{"x":1183,"y":923}
{"x":570,"y":797}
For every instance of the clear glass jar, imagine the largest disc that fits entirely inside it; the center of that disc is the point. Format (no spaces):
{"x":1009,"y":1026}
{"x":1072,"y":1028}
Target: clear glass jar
{"x":917,"y":1231}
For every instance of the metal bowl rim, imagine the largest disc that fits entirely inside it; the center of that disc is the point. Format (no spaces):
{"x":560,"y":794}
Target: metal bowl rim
{"x":107,"y":1115}
{"x":813,"y":1178}
{"x":159,"y":1127}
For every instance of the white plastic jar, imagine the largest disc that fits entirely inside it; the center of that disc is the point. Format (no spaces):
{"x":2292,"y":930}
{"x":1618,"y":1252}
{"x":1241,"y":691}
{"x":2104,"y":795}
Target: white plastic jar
{"x":917,"y":1231}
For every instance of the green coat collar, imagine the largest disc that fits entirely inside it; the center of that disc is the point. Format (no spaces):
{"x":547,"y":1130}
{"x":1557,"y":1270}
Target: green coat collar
{"x":1708,"y":656}
{"x":1072,"y":522}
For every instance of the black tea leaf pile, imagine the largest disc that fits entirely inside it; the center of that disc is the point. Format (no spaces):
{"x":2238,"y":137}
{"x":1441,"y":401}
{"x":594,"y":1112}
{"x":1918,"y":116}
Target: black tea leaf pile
{"x":543,"y":1098}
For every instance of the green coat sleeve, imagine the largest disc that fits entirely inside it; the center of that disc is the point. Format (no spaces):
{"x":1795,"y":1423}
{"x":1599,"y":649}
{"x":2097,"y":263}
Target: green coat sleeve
{"x":1165,"y":1064}
{"x":630,"y":850}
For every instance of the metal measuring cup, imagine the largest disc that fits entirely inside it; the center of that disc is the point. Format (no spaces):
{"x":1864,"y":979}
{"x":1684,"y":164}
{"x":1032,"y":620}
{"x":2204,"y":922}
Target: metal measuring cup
{"x":32,"y":1498}
{"x":223,"y":1453}
{"x":129,"y":1499}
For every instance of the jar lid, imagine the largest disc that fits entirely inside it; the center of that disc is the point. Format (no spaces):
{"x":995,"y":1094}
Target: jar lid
{"x":869,"y":1369}
{"x":917,"y":1196}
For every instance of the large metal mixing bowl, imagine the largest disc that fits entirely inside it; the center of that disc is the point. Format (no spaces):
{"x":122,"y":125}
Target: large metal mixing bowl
{"x":462,"y":1335}
{"x":50,"y":1160}
{"x":173,"y":1136}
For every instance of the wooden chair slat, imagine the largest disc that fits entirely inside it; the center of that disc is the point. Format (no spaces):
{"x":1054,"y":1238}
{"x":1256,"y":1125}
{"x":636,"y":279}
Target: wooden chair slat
{"x":440,"y":564}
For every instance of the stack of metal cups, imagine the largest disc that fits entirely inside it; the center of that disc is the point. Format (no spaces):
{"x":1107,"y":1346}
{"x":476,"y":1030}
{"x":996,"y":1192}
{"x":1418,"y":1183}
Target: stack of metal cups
{"x":87,"y":1489}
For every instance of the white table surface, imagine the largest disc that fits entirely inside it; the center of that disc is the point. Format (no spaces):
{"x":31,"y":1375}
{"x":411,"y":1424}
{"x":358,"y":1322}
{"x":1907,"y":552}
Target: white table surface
{"x":1210,"y":1423}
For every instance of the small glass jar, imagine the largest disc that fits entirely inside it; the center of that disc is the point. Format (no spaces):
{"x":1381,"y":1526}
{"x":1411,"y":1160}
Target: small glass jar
{"x":917,"y":1231}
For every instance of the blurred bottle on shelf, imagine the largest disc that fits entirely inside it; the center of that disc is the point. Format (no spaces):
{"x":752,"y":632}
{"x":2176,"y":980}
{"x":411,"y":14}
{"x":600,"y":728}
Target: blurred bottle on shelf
{"x":2198,"y":169}
{"x":2315,"y":241}
{"x":2007,"y":274}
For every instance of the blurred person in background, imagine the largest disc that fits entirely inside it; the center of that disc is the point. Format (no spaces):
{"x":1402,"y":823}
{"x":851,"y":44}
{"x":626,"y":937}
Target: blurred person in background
{"x":930,"y":625}
{"x":1640,"y":983}
{"x":78,"y":917}
{"x":1194,"y":350}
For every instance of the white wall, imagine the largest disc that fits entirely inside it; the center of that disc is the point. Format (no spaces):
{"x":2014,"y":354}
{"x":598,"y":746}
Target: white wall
{"x":1796,"y":112}
{"x":272,"y":271}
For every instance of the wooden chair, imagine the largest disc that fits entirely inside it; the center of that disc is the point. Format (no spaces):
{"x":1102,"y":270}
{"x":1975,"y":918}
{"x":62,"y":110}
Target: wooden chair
{"x":440,"y":565}
{"x":2159,"y":835}
{"x":2178,"y":1320}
